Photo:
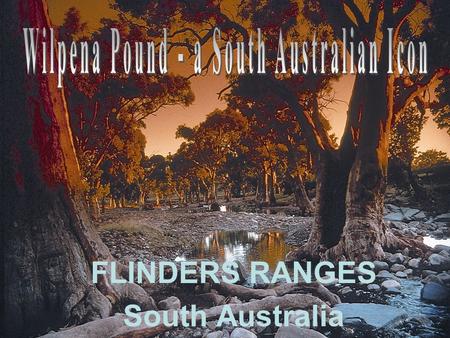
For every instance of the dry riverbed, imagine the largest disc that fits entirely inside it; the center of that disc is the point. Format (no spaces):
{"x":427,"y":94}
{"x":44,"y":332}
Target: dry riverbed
{"x":146,"y":235}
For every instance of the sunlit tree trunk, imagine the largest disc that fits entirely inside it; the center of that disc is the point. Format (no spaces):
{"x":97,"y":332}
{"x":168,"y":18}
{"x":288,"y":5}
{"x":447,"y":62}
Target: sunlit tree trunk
{"x":270,"y":185}
{"x":213,"y":188}
{"x":301,"y":196}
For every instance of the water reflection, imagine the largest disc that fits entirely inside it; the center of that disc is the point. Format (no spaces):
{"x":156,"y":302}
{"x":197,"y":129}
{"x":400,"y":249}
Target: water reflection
{"x":244,"y":246}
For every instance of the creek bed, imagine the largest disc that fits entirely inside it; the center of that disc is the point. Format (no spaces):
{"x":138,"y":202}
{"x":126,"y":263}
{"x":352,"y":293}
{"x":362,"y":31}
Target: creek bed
{"x":246,"y":246}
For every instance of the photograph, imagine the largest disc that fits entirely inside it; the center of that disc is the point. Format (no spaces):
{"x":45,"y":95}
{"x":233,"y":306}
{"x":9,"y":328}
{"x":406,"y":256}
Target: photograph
{"x":225,"y":168}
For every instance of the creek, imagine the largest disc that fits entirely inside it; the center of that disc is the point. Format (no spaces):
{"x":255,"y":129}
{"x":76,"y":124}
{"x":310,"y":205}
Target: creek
{"x":246,"y":246}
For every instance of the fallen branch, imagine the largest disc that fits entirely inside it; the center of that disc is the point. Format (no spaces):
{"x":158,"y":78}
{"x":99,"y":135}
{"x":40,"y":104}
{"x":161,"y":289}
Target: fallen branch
{"x":245,"y":293}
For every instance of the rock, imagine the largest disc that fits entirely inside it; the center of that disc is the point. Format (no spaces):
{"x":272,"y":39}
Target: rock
{"x":392,"y":291}
{"x":211,"y":325}
{"x":444,"y":253}
{"x":198,"y":333}
{"x":242,"y":272}
{"x":444,"y":277}
{"x":432,"y":278}
{"x":408,"y":271}
{"x":391,"y":207}
{"x":394,"y":216}
{"x":419,"y":216}
{"x":435,"y":293}
{"x":445,"y":218}
{"x":234,"y":300}
{"x":239,"y":332}
{"x":396,"y":258}
{"x":438,"y":262}
{"x":397,"y":267}
{"x":401,"y":274}
{"x":390,"y":283}
{"x":414,"y":263}
{"x":400,"y":225}
{"x":409,"y":212}
{"x":214,"y":206}
{"x":379,"y":265}
{"x":376,"y":315}
{"x":171,"y":303}
{"x":216,"y":334}
{"x":345,"y":290}
{"x":438,"y":248}
{"x":384,"y":274}
{"x":329,"y":280}
{"x":295,"y":331}
{"x":426,"y":273}
{"x":373,"y":287}
{"x":405,"y":251}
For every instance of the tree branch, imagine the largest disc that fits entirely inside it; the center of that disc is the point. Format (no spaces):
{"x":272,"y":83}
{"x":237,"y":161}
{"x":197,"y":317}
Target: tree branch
{"x":411,"y":92}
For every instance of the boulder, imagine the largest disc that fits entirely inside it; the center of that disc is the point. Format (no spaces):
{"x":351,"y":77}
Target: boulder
{"x":394,"y":216}
{"x":397,"y":267}
{"x":392,"y":291}
{"x":426,"y":273}
{"x":435,"y":293}
{"x":345,"y":290}
{"x":390,"y":283}
{"x":379,"y":265}
{"x":242,"y":272}
{"x":414,"y":263}
{"x":384,"y":274}
{"x":410,"y":213}
{"x":438,"y":262}
{"x":445,"y":218}
{"x":295,"y":331}
{"x":419,"y":216}
{"x":396,"y":258}
{"x":444,"y":253}
{"x":401,"y":274}
{"x":373,"y":287}
{"x":444,"y":277}
{"x":215,"y":334}
{"x":218,"y":334}
{"x":376,"y":315}
{"x":439,"y":247}
{"x":391,"y":208}
{"x":239,"y":332}
{"x":171,"y":303}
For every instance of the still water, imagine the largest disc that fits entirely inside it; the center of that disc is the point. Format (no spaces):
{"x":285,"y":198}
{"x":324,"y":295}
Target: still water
{"x":243,"y":246}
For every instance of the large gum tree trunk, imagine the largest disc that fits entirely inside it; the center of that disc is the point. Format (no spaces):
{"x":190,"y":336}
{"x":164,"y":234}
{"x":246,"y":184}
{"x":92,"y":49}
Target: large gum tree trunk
{"x":364,"y":233}
{"x":47,"y":238}
{"x":351,"y":182}
{"x":48,"y":242}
